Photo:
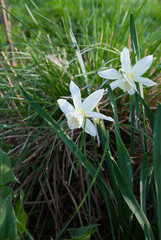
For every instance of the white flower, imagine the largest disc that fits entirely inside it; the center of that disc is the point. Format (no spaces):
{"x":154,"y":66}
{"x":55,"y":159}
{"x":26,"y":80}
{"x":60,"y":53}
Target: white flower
{"x":78,"y":115}
{"x":128,"y":75}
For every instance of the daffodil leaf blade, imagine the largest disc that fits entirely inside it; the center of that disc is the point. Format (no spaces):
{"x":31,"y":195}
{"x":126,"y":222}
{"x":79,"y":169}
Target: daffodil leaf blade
{"x":134,"y":36}
{"x":125,"y":161}
{"x":132,"y":202}
{"x":157,"y":162}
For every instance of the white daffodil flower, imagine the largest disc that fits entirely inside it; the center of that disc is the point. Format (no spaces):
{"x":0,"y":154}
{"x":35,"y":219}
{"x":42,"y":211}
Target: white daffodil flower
{"x":78,"y":115}
{"x":128,"y":75}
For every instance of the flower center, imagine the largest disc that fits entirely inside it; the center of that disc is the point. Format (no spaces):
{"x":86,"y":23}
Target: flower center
{"x":81,"y":111}
{"x":75,"y":119}
{"x":127,"y":77}
{"x":129,"y":80}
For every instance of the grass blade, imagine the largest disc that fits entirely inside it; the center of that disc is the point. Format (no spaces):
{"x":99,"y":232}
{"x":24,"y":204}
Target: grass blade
{"x":80,"y":59}
{"x":148,"y":112}
{"x":134,"y":37}
{"x":157,"y":163}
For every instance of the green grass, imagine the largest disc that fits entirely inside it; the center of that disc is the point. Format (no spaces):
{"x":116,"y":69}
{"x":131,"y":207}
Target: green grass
{"x":106,"y":187}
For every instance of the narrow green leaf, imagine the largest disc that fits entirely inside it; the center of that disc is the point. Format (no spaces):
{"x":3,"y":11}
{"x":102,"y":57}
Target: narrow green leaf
{"x":135,"y":45}
{"x":157,"y":163}
{"x":20,"y":214}
{"x":22,"y":22}
{"x":143,"y":182}
{"x":139,"y":122}
{"x":104,"y":136}
{"x":6,"y":173}
{"x":140,"y":8}
{"x":132,"y":202}
{"x":134,"y":37}
{"x":80,"y":59}
{"x":144,"y":160}
{"x":148,"y":111}
{"x":114,"y":107}
{"x":139,"y":130}
{"x":86,"y":237}
{"x":79,"y":233}
{"x":125,"y":162}
{"x":132,"y":116}
{"x":143,"y":140}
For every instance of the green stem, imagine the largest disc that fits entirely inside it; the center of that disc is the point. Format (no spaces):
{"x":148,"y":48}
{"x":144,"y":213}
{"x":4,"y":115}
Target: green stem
{"x":132,"y":116}
{"x":87,"y":180}
{"x":81,"y":145}
{"x":114,"y":107}
{"x":144,"y":168}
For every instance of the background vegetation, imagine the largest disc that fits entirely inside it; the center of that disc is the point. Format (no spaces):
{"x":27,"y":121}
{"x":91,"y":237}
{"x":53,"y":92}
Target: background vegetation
{"x":37,"y":53}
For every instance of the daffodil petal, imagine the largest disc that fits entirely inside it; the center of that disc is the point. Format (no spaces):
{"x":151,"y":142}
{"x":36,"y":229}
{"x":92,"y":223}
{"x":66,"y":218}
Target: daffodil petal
{"x":99,"y":115}
{"x":110,"y":73}
{"x":116,"y":83}
{"x":126,"y":87}
{"x":76,"y":95}
{"x":91,"y":101}
{"x":90,"y":128}
{"x":65,"y":106}
{"x":125,"y":61}
{"x":142,"y":66}
{"x":146,"y":81}
{"x":131,"y":92}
